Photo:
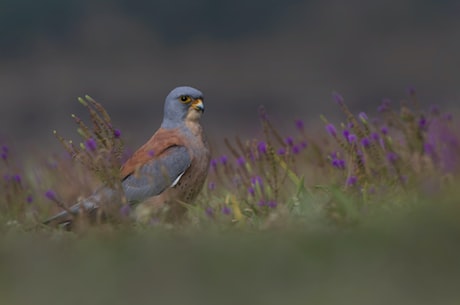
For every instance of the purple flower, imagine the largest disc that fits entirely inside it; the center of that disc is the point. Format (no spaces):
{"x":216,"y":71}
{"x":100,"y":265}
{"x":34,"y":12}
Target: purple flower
{"x":241,"y":161}
{"x":91,"y":144}
{"x":29,"y":199}
{"x":295,"y":149}
{"x":116,"y":133}
{"x":428,"y":148}
{"x":447,"y":116}
{"x":4,"y":155}
{"x":257,"y":180}
{"x":223,"y":160}
{"x":251,"y":191}
{"x":352,"y":138}
{"x":226,"y":210}
{"x":330,"y":128}
{"x":303,"y":144}
{"x":345,"y":133}
{"x":51,"y":195}
{"x":212,"y":186}
{"x":375,"y":136}
{"x":392,"y":157}
{"x":352,"y":180}
{"x":281,"y":151}
{"x":289,"y":141}
{"x":423,"y":123}
{"x":365,"y":142}
{"x":385,"y":106}
{"x":213,"y":164}
{"x":5,"y":149}
{"x":338,"y":98}
{"x":434,"y":110}
{"x":261,"y":203}
{"x":363,"y":117}
{"x":338,"y":163}
{"x":272,"y":204}
{"x":262,"y":147}
{"x":299,"y":124}
{"x":384,"y":130}
{"x":17,"y":178}
{"x":209,"y":212}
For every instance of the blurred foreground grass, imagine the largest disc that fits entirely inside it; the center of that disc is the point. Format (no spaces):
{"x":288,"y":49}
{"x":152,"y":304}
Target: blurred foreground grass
{"x":409,"y":259}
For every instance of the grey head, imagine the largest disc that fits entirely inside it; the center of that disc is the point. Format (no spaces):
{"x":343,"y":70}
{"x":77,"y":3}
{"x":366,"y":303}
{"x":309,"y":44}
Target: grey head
{"x":181,"y":104}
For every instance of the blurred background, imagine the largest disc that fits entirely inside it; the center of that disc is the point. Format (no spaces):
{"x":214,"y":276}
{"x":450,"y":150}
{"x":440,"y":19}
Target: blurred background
{"x":288,"y":55}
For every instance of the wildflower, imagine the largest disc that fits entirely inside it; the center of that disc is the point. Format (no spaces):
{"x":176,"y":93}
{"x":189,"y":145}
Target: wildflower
{"x":365,"y":142}
{"x":17,"y":178}
{"x":209,"y":212}
{"x":350,"y":125}
{"x":116,"y":133}
{"x":251,"y":191}
{"x":428,"y":148}
{"x":213,"y":164}
{"x":257,"y":180}
{"x":212,"y":186}
{"x":352,"y":138}
{"x":4,"y":155}
{"x":289,"y":141}
{"x":422,"y":123}
{"x":29,"y":199}
{"x":330,"y":128}
{"x":5,"y":149}
{"x":345,"y":133}
{"x":262,"y":147}
{"x":392,"y":157}
{"x":384,"y":130}
{"x":352,"y":180}
{"x":261,"y":203}
{"x":91,"y":144}
{"x":226,"y":210}
{"x":434,"y":110}
{"x":272,"y":204}
{"x":295,"y":149}
{"x":241,"y":161}
{"x":338,"y":163}
{"x":385,"y":106}
{"x":303,"y":144}
{"x":363,"y":117}
{"x":338,"y":98}
{"x":299,"y":124}
{"x":51,"y":195}
{"x":223,"y":160}
{"x":281,"y":151}
{"x":375,"y":136}
{"x":447,"y":116}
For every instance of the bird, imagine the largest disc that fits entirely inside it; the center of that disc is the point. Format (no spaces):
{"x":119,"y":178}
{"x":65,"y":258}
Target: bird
{"x":167,"y":172}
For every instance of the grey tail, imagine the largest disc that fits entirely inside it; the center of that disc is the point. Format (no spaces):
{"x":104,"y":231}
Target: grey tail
{"x":88,"y":206}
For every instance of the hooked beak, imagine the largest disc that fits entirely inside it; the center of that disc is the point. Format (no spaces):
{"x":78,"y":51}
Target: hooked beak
{"x":198,"y":105}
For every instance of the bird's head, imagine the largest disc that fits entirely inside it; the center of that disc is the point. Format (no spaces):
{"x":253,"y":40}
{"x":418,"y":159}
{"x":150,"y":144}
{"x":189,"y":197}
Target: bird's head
{"x":183,"y":104}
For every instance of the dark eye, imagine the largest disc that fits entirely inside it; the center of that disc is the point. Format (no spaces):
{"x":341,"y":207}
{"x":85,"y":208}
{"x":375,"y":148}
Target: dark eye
{"x":185,"y":98}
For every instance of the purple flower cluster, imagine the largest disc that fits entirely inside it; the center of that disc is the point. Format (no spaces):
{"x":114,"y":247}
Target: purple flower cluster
{"x":337,"y":162}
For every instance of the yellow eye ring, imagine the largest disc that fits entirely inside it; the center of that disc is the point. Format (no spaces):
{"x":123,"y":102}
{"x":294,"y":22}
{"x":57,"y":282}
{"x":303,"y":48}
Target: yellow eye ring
{"x":185,"y":99}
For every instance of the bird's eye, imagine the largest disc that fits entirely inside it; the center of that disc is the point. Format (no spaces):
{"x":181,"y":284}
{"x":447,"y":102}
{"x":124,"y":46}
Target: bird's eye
{"x":185,"y":98}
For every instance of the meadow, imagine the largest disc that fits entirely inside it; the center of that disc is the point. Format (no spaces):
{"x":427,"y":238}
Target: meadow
{"x":363,"y":212}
